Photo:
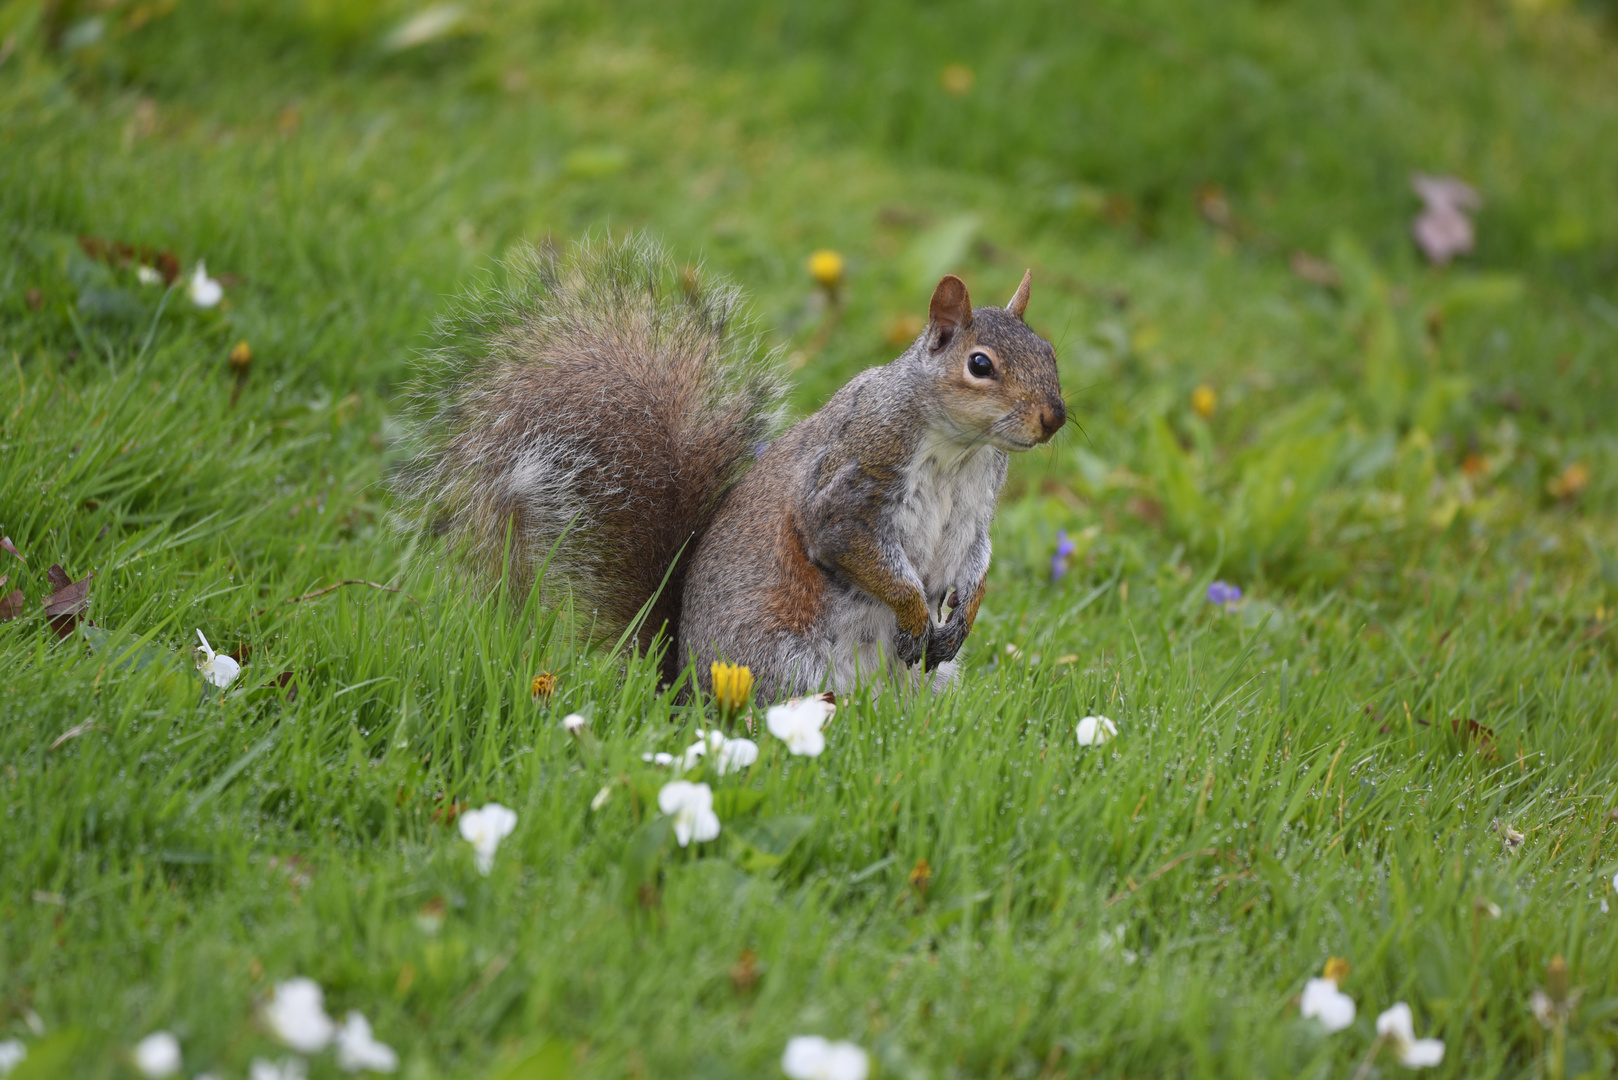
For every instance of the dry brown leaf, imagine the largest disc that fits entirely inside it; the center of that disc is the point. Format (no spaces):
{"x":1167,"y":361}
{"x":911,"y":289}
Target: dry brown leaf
{"x":12,"y":603}
{"x":1315,"y":271}
{"x":1477,"y":736}
{"x":68,"y":601}
{"x":7,"y":545}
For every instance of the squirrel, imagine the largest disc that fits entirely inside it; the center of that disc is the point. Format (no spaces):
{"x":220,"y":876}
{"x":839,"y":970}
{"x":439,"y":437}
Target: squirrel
{"x":603,"y":421}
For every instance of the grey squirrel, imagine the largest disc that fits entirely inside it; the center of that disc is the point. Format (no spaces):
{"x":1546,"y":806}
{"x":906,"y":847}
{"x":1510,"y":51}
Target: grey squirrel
{"x":609,"y":412}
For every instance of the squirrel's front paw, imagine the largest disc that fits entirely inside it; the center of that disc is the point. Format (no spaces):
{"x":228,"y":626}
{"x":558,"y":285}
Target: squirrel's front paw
{"x":910,"y":647}
{"x":943,"y":642}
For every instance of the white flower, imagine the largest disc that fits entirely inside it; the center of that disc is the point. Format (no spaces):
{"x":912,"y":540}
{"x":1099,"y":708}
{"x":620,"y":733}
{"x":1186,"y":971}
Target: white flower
{"x":296,"y":1014}
{"x":12,"y":1051}
{"x":484,"y":829}
{"x":691,"y":807}
{"x":798,"y":723}
{"x":601,"y":797}
{"x":357,"y":1050}
{"x":1095,"y":730}
{"x":148,"y":276}
{"x":1324,"y":1002}
{"x":289,"y":1069}
{"x":810,"y":1057}
{"x":573,"y":723}
{"x":730,"y":755}
{"x":425,"y":25}
{"x":1397,"y":1026}
{"x":158,"y":1054}
{"x":219,"y":670}
{"x":205,"y":291}
{"x":658,"y":758}
{"x":1107,"y":941}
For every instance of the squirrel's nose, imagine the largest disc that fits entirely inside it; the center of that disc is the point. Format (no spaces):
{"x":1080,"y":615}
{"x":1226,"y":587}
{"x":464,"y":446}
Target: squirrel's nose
{"x":1052,"y":417}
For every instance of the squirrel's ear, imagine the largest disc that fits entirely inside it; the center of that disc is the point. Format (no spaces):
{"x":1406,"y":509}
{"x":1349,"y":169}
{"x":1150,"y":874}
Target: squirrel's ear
{"x":1019,"y":299}
{"x":950,"y":311}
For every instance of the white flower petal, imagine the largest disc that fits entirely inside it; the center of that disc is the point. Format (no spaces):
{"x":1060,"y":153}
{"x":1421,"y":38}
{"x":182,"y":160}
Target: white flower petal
{"x":810,"y":1057}
{"x":735,"y":755}
{"x":799,"y":724}
{"x":1322,"y":1001}
{"x":1421,"y":1053}
{"x":1398,"y":1027}
{"x":601,"y":797}
{"x":286,"y":1069}
{"x":357,"y":1050}
{"x":1095,"y":730}
{"x":693,"y":756}
{"x":205,"y":291}
{"x":484,"y":829}
{"x":1397,"y":1024}
{"x":222,"y":671}
{"x":573,"y":723}
{"x":691,"y":807}
{"x":12,"y":1052}
{"x":158,"y":1054}
{"x":296,"y":1014}
{"x":148,"y":276}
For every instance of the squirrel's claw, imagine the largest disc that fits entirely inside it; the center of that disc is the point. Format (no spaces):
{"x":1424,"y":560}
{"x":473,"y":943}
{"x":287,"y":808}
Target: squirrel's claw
{"x":910,"y":647}
{"x":943,"y":642}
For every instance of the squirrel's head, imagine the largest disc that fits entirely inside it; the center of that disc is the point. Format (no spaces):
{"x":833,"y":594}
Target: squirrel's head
{"x":996,"y":377}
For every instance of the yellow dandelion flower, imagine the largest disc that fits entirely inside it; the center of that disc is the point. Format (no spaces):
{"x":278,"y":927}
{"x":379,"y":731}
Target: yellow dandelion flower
{"x":241,"y":358}
{"x":732,"y":686}
{"x":1204,"y":400}
{"x":957,"y":79}
{"x":543,"y":686}
{"x":1572,"y":480}
{"x":826,"y":267}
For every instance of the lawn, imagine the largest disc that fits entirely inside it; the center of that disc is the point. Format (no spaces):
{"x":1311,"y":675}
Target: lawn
{"x":1398,"y":748}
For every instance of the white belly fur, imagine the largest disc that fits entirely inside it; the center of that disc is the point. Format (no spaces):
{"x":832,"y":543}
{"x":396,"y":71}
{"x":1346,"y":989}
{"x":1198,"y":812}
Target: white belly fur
{"x":950,"y":496}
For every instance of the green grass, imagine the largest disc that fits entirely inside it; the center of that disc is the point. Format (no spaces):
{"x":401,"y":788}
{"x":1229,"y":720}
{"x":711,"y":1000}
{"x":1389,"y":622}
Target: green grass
{"x":1288,"y":784}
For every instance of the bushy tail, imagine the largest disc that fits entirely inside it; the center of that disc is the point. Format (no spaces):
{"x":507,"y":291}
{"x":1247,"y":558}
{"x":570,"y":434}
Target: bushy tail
{"x":599,"y":404}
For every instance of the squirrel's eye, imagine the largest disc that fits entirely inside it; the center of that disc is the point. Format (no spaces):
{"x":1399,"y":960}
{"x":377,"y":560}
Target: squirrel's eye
{"x":979,"y":366}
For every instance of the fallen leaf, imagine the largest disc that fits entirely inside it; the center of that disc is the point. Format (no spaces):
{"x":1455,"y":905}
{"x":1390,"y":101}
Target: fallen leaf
{"x":74,"y":732}
{"x":745,"y":972}
{"x":68,"y":602}
{"x":446,"y":814}
{"x":921,"y":876}
{"x":7,"y":545}
{"x":1572,"y":480}
{"x":285,"y":681}
{"x":1146,"y":508}
{"x":1214,"y":207}
{"x":11,"y":604}
{"x":120,"y":254}
{"x":1315,"y":271}
{"x":1476,"y":735}
{"x":1443,"y":230}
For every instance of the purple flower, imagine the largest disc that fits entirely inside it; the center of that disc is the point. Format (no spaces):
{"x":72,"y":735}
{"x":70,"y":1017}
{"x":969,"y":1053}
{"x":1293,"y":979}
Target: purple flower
{"x":1064,"y":548}
{"x":1223,"y":593}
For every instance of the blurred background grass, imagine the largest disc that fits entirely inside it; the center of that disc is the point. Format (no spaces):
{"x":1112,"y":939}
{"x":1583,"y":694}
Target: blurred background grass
{"x":1411,"y":471}
{"x":1160,"y":165}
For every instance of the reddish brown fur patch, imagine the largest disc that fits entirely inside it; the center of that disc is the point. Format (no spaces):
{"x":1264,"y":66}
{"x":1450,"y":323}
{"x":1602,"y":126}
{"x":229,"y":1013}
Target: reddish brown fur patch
{"x":794,"y":602}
